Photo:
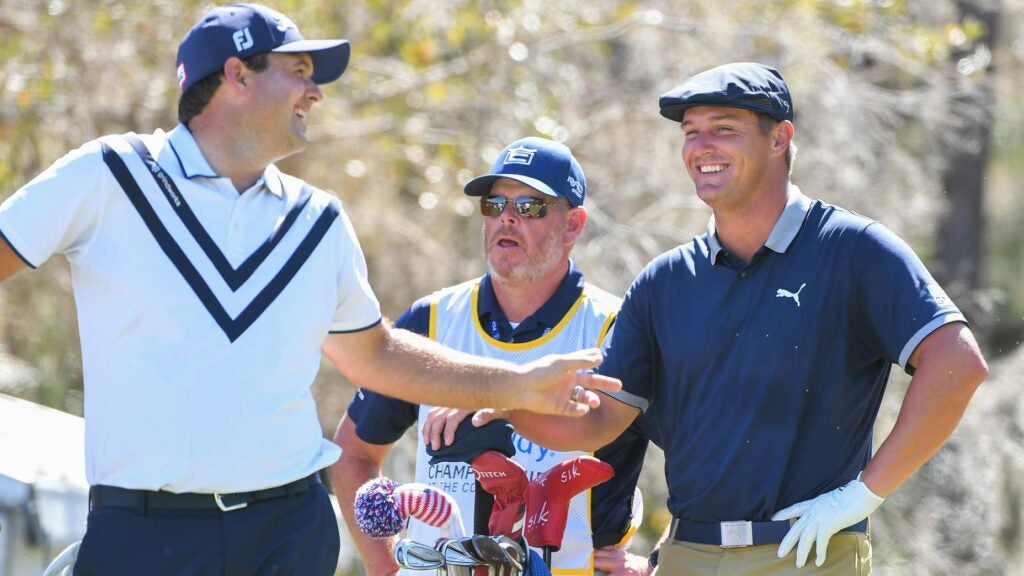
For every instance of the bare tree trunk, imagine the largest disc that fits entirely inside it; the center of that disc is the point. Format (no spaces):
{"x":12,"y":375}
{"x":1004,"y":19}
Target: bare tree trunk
{"x":961,"y":232}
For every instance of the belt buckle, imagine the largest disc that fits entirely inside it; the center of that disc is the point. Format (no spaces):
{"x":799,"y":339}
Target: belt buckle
{"x":737,"y":534}
{"x":225,"y":508}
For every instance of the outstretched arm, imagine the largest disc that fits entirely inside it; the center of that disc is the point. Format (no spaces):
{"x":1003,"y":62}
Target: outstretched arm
{"x":404,"y":365}
{"x":360,"y":462}
{"x":588,"y":433}
{"x":9,"y":261}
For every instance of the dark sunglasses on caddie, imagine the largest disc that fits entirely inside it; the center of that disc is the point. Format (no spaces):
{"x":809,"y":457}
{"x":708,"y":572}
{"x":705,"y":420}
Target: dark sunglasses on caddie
{"x":525,"y":206}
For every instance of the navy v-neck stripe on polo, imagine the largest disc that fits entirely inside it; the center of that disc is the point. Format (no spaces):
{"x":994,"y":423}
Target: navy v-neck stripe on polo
{"x":234,"y":277}
{"x":232,"y":327}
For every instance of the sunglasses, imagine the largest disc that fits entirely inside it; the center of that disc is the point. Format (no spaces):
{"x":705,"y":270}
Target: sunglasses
{"x":525,"y":206}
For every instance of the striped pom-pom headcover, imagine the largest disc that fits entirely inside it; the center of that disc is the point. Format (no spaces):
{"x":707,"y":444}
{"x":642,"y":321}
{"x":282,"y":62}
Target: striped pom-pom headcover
{"x":382,"y":507}
{"x":424,"y":503}
{"x":377,"y":512}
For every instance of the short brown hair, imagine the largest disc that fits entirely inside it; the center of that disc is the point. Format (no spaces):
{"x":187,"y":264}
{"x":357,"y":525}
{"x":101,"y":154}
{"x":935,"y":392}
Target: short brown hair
{"x":195,"y":99}
{"x":767,"y":124}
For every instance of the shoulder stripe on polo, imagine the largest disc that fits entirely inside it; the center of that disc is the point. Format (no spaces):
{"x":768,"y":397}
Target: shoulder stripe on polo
{"x":234,"y":277}
{"x":16,"y":252}
{"x":232,"y":327}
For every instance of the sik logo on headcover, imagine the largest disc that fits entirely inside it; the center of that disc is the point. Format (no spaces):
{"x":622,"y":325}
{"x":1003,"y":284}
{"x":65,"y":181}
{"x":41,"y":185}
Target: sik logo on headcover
{"x":520,"y":155}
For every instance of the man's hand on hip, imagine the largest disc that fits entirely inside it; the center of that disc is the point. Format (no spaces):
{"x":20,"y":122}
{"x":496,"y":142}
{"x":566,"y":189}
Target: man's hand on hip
{"x":823,"y":516}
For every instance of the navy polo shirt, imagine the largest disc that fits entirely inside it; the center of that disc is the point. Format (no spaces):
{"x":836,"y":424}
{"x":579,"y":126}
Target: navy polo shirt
{"x":762,"y":380}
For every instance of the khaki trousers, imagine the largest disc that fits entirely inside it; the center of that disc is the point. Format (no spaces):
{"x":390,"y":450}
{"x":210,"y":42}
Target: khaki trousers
{"x":849,"y":554}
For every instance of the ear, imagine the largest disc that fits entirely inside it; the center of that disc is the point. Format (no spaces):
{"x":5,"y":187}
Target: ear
{"x":575,"y":224}
{"x":236,"y":75}
{"x":782,"y":135}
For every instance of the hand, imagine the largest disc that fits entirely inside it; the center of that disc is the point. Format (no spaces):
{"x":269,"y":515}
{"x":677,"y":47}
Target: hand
{"x":823,"y":516}
{"x":440,"y":425}
{"x":550,"y":383}
{"x":617,"y":562}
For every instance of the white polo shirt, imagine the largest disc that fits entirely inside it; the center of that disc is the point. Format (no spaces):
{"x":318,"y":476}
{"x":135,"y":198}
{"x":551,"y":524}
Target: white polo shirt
{"x":201,"y":312}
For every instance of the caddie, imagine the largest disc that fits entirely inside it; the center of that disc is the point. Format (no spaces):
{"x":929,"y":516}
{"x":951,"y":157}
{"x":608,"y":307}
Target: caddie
{"x":532,"y":301}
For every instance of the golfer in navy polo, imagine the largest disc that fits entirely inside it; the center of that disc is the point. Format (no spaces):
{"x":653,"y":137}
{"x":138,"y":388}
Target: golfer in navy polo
{"x":760,"y":352}
{"x":208,"y":282}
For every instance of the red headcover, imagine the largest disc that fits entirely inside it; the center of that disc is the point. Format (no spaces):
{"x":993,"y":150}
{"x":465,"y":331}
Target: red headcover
{"x":507,"y":481}
{"x":550,"y":493}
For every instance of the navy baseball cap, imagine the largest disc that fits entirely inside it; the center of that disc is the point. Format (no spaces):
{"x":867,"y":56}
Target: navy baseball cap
{"x":544,"y":165}
{"x":738,"y":85}
{"x":245,"y":30}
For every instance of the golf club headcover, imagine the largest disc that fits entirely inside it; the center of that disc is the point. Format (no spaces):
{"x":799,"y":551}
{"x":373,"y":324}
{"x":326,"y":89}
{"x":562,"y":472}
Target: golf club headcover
{"x":427,"y":504}
{"x":507,"y":482}
{"x":471,"y":441}
{"x":378,"y":514}
{"x":382,"y":507}
{"x":550,"y":493}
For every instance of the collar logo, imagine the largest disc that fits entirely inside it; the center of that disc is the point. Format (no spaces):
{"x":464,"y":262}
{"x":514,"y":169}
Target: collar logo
{"x":243,"y":39}
{"x":520,"y":155}
{"x":783,"y":293}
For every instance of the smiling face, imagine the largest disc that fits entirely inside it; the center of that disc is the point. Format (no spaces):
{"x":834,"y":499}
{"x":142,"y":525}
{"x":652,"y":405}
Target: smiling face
{"x":527,"y":249}
{"x":727,"y":155}
{"x":281,"y":98}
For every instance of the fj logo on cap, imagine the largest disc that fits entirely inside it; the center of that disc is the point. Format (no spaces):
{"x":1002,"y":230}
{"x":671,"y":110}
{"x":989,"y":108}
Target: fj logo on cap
{"x":243,"y":39}
{"x":520,"y":155}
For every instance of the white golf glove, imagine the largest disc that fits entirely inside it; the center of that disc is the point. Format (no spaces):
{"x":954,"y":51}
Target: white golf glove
{"x":823,"y":516}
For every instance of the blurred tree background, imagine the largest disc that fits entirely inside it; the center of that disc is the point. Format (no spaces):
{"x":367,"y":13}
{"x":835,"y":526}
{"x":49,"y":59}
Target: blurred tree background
{"x":908,"y":111}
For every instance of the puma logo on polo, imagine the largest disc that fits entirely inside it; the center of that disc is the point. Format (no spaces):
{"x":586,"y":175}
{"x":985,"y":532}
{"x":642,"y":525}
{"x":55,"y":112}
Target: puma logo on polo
{"x":783,"y":293}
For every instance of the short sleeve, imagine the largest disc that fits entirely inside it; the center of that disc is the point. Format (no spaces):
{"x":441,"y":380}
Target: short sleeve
{"x":627,"y":348}
{"x":357,"y":307}
{"x":898,"y":301}
{"x":59,"y":210}
{"x":381,"y":419}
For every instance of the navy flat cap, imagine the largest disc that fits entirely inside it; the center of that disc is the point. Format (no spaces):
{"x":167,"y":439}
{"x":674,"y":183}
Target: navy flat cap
{"x":738,"y":85}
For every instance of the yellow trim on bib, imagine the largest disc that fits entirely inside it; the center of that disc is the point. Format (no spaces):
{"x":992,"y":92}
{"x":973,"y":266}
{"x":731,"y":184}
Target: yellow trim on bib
{"x":604,"y":329}
{"x":432,"y":326}
{"x":522,"y":345}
